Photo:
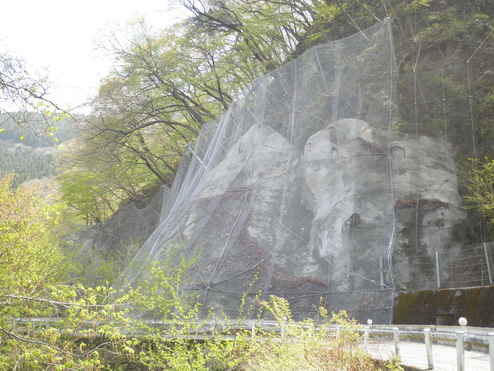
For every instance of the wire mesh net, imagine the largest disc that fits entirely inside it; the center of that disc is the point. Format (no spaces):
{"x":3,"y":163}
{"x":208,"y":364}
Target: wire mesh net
{"x":322,"y":184}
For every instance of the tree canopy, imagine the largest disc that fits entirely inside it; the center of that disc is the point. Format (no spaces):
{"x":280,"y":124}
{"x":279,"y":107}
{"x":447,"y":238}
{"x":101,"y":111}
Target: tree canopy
{"x":166,"y":86}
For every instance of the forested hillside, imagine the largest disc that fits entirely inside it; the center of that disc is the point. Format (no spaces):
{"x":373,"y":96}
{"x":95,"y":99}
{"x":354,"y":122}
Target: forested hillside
{"x":28,"y":144}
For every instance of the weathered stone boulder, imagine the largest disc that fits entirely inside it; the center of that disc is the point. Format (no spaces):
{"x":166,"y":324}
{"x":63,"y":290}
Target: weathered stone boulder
{"x":428,"y":207}
{"x":375,"y":199}
{"x":347,"y":188}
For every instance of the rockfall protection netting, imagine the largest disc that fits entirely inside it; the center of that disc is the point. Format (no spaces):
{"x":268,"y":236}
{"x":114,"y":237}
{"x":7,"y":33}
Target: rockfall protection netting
{"x":321,"y":182}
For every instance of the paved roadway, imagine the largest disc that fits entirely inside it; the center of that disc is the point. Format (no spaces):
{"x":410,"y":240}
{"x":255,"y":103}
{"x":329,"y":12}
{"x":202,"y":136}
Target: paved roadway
{"x":444,"y":357}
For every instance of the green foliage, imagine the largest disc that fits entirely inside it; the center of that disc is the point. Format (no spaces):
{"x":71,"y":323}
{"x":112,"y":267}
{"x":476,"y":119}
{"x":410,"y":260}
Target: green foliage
{"x":95,"y":331}
{"x":29,"y":257}
{"x":90,"y":266}
{"x":168,"y":85}
{"x":481,"y":187}
{"x":100,"y":329}
{"x":417,"y":4}
{"x":25,"y":162}
{"x":28,"y":145}
{"x":394,"y":364}
{"x":84,"y":192}
{"x":306,"y":345}
{"x":37,"y":130}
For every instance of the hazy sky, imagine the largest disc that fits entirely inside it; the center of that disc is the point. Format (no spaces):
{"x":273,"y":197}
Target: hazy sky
{"x":59,"y":37}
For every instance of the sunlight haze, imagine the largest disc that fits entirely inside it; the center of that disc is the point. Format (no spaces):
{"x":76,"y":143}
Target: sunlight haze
{"x":58,"y":38}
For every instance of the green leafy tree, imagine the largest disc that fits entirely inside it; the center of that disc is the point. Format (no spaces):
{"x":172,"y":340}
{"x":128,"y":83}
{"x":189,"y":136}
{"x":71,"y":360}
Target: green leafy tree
{"x":29,"y":256}
{"x":166,"y":87}
{"x":481,"y":187}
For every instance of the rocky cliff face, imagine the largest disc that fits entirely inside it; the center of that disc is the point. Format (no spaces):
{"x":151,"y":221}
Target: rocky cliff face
{"x":118,"y":238}
{"x":345,"y":168}
{"x":327,"y":222}
{"x":238,"y":223}
{"x":309,"y":187}
{"x":427,"y":207}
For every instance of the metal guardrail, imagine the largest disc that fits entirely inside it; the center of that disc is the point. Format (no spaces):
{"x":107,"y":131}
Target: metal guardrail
{"x":474,"y":337}
{"x":481,"y":339}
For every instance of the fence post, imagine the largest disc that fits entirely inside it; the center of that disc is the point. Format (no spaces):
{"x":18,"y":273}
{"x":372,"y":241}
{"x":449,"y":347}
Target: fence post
{"x":491,"y":350}
{"x":428,"y":348}
{"x":366,"y":338}
{"x":487,"y":262}
{"x":460,"y":351}
{"x":438,"y":272}
{"x":396,"y":340}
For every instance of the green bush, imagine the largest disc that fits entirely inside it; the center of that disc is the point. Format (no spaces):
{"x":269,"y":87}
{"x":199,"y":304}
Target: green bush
{"x":100,"y":329}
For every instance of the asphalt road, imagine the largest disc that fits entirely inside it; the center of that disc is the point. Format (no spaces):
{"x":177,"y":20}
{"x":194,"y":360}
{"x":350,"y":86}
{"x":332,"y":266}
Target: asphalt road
{"x":444,"y":357}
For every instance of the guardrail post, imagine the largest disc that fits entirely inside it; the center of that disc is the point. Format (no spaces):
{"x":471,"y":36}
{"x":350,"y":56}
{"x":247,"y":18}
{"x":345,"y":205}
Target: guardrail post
{"x":396,"y":340}
{"x":488,"y":263}
{"x":460,"y":351}
{"x":366,"y":338}
{"x":491,"y":350}
{"x":253,"y":330}
{"x":283,"y":330}
{"x":438,"y":272}
{"x":428,"y":348}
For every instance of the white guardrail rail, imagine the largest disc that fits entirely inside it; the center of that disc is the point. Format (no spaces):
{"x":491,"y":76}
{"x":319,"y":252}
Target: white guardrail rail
{"x":462,"y":337}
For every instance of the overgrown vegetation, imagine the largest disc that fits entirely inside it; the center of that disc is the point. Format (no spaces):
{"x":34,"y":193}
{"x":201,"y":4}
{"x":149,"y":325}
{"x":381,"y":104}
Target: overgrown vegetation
{"x":90,"y":330}
{"x":168,"y":85}
{"x":49,"y":322}
{"x":481,"y":187}
{"x":29,"y":253}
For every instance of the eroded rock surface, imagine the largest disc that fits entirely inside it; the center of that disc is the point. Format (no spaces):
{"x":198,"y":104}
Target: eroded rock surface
{"x":374,"y":198}
{"x":237,"y":224}
{"x":120,"y":236}
{"x":348,"y":191}
{"x":327,"y":222}
{"x":428,"y":207}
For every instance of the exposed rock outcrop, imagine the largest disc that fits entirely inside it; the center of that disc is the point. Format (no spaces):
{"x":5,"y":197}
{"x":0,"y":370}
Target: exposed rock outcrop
{"x":378,"y":201}
{"x":368,"y":192}
{"x":237,"y":224}
{"x":348,"y":191}
{"x":119,"y":237}
{"x":427,"y":207}
{"x":325,"y":222}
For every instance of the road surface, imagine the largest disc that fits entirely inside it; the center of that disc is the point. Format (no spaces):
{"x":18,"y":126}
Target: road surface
{"x":444,"y":357}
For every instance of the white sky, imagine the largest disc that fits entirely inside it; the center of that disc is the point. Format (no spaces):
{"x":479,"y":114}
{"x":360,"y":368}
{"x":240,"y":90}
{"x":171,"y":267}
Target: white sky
{"x":59,"y":38}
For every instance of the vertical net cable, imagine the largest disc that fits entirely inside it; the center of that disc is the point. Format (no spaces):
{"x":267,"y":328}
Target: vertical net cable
{"x":391,"y":106}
